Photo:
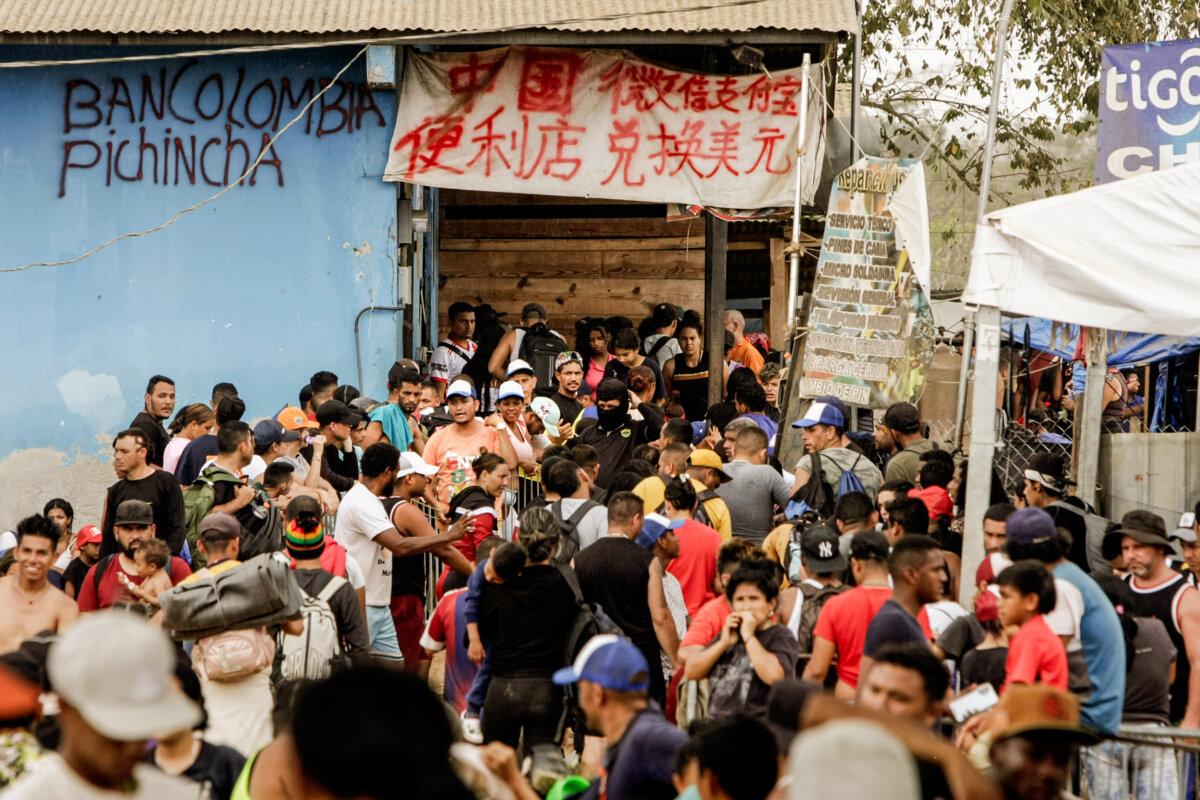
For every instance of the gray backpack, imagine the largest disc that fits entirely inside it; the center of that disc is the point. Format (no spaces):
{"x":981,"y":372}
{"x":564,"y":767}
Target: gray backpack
{"x":261,"y":592}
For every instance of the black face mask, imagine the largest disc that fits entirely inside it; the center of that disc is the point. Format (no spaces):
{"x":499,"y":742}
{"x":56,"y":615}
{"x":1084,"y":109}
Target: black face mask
{"x":613,"y":418}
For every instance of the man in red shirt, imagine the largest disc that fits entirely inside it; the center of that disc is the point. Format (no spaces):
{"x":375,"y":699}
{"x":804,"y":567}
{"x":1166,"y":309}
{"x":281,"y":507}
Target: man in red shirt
{"x":696,"y":566}
{"x":133,"y":524}
{"x":841,"y":629}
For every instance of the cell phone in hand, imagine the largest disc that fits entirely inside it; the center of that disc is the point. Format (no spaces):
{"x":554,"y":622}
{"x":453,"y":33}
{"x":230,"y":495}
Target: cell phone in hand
{"x":976,"y":701}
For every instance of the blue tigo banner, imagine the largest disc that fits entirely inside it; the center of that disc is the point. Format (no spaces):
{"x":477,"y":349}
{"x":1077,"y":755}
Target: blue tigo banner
{"x":1149,"y":108}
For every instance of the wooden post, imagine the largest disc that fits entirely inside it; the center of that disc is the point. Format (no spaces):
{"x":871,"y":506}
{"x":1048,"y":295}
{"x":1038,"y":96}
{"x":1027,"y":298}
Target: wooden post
{"x":1087,"y":445}
{"x":716,"y":235}
{"x":776,"y":316}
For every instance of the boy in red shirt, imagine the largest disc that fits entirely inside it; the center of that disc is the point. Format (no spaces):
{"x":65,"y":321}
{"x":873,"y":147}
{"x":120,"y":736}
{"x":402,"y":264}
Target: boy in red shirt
{"x":1035,"y":653}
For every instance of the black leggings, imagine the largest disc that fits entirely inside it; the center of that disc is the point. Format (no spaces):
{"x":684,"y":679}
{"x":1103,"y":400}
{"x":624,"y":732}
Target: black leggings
{"x":513,"y":704}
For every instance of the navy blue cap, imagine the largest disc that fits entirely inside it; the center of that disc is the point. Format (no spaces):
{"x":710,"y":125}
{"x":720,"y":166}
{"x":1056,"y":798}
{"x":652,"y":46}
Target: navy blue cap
{"x":609,"y":661}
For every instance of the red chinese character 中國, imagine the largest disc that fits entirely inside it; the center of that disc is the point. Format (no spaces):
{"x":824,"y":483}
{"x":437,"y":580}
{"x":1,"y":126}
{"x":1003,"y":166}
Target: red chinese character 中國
{"x":548,"y":81}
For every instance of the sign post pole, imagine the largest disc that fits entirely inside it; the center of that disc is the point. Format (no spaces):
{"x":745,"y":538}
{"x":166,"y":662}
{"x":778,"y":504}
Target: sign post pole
{"x":794,"y":263}
{"x":987,"y":354}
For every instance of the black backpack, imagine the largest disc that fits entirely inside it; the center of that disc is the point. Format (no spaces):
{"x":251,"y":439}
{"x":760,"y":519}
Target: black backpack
{"x":701,"y":515}
{"x":590,"y":620}
{"x":815,"y":495}
{"x":814,"y":601}
{"x":659,"y":344}
{"x":540,"y":348}
{"x":570,"y":541}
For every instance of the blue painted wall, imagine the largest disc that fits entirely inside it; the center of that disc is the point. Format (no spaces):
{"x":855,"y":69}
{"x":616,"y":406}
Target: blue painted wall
{"x":259,"y":288}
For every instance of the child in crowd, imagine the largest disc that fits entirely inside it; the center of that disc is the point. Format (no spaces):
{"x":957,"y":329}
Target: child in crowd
{"x":1035,"y":654}
{"x":506,"y":563}
{"x":446,"y":630}
{"x":985,"y":662}
{"x":152,"y":558}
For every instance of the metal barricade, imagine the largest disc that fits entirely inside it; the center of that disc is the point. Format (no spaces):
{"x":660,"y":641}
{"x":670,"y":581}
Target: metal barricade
{"x":1143,"y":762}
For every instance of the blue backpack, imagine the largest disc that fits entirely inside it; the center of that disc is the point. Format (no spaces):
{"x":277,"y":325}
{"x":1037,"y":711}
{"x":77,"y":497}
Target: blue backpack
{"x":817,"y":495}
{"x":850,"y":482}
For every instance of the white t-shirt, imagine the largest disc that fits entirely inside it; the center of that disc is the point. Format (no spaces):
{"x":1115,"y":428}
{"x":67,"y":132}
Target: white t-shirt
{"x":446,"y":363}
{"x":51,"y":779}
{"x":255,"y":468}
{"x":1067,"y":616}
{"x":354,"y":573}
{"x":594,"y":525}
{"x":941,"y":614}
{"x":360,"y":519}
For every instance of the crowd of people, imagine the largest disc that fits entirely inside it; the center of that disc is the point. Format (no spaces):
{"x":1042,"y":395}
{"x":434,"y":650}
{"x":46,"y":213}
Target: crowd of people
{"x":545,"y":568}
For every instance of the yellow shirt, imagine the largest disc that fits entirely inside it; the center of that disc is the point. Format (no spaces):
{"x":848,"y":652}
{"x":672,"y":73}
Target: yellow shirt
{"x":652,"y":489}
{"x":224,"y":566}
{"x":776,"y":548}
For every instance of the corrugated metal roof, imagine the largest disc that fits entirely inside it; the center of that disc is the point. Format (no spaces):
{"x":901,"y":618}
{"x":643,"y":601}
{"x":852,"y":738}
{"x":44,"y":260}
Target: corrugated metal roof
{"x":460,"y":16}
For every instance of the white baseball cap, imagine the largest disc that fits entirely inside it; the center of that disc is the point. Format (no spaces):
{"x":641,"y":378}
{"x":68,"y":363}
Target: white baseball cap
{"x":118,"y":673}
{"x":547,"y":409}
{"x":411,"y":463}
{"x":518,"y":365}
{"x":510,"y":389}
{"x":460,"y":389}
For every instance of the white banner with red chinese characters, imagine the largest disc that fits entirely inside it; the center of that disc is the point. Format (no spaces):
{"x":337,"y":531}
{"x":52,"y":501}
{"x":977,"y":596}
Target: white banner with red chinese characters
{"x":602,"y":123}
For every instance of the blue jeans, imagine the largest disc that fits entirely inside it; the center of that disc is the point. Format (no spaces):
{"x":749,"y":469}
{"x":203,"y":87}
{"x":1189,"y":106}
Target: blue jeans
{"x":479,"y":687}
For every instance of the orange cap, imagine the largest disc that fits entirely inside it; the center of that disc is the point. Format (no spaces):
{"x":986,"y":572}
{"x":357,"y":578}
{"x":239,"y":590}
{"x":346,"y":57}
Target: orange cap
{"x":293,"y":419}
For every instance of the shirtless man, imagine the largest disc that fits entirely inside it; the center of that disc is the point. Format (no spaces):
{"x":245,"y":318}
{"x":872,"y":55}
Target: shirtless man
{"x":28,"y":603}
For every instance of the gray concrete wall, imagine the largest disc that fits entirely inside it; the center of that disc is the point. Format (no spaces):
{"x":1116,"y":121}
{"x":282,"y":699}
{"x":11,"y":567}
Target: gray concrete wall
{"x":1159,"y":472}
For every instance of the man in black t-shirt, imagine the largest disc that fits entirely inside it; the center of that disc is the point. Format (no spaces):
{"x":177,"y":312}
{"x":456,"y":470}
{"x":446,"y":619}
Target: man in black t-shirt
{"x":339,"y":464}
{"x":614,"y":434}
{"x":568,"y":371}
{"x":160,"y":402}
{"x":626,"y":581}
{"x":137,"y":480}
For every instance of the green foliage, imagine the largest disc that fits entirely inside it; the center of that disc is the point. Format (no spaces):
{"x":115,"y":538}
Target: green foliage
{"x":927,"y":73}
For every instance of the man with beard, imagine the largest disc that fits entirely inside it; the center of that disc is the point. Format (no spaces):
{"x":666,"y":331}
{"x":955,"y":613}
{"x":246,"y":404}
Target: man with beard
{"x":394,"y":421}
{"x":26,"y":607}
{"x":613,"y":678}
{"x":133,"y":523}
{"x":365,"y":530}
{"x":160,"y":404}
{"x":568,"y":371}
{"x":614,"y":434}
{"x":1163,"y":593}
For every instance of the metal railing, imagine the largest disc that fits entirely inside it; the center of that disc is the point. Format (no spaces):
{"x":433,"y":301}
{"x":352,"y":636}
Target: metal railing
{"x":1143,"y":762}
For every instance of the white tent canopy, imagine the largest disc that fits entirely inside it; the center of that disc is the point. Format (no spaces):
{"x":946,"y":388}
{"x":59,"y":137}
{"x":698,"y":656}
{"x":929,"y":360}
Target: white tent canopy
{"x":1122,"y":256}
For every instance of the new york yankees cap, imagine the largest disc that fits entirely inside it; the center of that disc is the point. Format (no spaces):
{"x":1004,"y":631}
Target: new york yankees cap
{"x":819,"y":544}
